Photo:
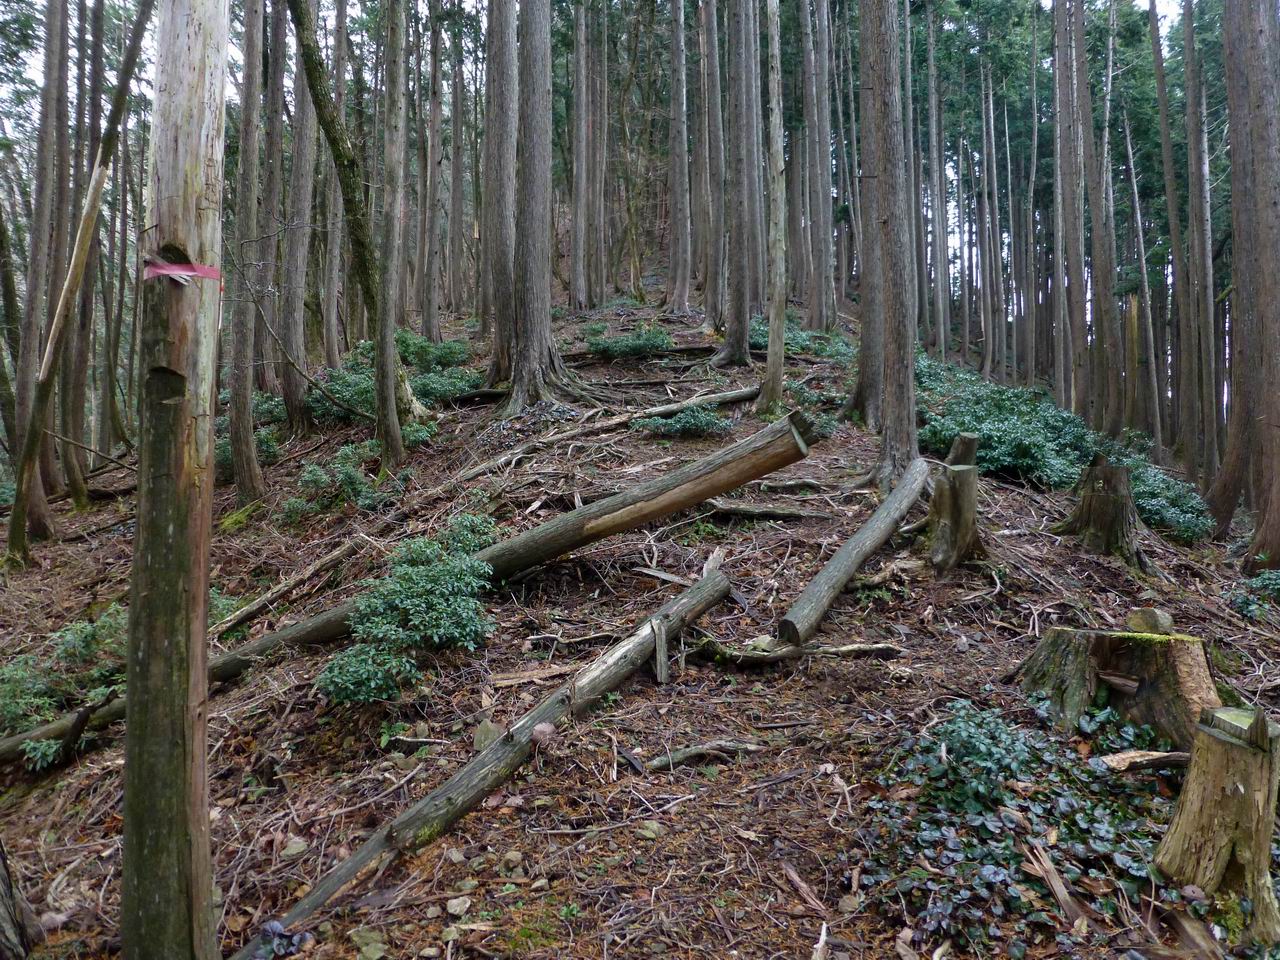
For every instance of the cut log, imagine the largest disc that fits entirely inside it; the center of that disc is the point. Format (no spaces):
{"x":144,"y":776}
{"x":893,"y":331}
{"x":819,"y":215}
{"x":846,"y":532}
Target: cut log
{"x":1127,"y":761}
{"x":964,"y":450}
{"x":326,"y":627}
{"x":1220,"y":836}
{"x":953,"y":518}
{"x":1159,"y":680}
{"x":772,"y":651}
{"x":778,"y":445}
{"x":800,"y":622}
{"x":16,"y":934}
{"x":1106,"y":519}
{"x":439,"y":810}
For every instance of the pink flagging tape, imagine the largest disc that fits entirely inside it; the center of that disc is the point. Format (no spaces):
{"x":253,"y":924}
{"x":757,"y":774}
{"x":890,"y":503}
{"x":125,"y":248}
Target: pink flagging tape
{"x":153,"y":270}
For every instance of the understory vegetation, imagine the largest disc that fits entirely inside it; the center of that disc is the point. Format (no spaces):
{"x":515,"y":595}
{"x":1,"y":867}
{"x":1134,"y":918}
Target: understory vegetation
{"x":642,"y":342}
{"x":1024,"y":436}
{"x":954,"y":824}
{"x":695,"y":422}
{"x":427,"y":602}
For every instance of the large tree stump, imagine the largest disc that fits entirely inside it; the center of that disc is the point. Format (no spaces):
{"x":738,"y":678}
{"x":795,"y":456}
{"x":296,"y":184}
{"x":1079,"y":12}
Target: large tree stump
{"x":1156,"y":679}
{"x":953,"y":518}
{"x":964,"y":450}
{"x":1106,"y":519}
{"x":1220,"y":836}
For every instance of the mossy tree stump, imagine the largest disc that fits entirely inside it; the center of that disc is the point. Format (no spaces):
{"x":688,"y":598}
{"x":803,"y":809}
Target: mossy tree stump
{"x":1106,"y":519}
{"x":1220,"y":836}
{"x":1156,"y":679}
{"x":953,"y":517}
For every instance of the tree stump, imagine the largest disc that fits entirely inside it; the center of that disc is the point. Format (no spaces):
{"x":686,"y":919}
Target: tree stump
{"x":1106,"y":518}
{"x":953,"y":518}
{"x":964,"y":450}
{"x":1220,"y":836}
{"x":1156,"y":679}
{"x":16,"y":936}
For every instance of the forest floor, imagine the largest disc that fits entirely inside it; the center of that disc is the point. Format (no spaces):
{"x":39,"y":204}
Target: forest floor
{"x":581,"y":855}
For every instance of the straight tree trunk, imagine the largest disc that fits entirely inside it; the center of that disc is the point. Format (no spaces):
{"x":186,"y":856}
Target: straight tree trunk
{"x":333,"y":202}
{"x":244,"y":453}
{"x":457,"y":207}
{"x":269,"y":213}
{"x":392,"y":223}
{"x":536,"y":366}
{"x":578,"y":299}
{"x":679,"y":264}
{"x":297,"y":243}
{"x":817,"y":302}
{"x":500,"y":176}
{"x":166,"y":803}
{"x":714,"y":292}
{"x":938,"y":200}
{"x":435,"y":164}
{"x":1147,"y":386}
{"x":885,"y":143}
{"x":735,"y":350}
{"x":771,"y":386}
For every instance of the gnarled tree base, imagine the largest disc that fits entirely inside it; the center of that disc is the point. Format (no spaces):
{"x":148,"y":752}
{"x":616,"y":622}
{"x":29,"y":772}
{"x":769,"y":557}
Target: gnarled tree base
{"x":1160,"y":680}
{"x":1106,"y":519}
{"x":1220,"y":836}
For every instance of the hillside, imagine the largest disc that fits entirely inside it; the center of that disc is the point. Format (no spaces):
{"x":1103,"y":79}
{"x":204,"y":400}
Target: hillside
{"x":915,"y":805}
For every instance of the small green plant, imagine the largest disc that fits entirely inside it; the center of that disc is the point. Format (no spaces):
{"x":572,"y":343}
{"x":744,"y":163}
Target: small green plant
{"x":697,"y":421}
{"x":797,"y":340}
{"x":294,"y":510}
{"x":429,"y":600}
{"x":436,"y":386}
{"x":366,"y":673}
{"x":346,"y":483}
{"x":264,"y":439}
{"x":597,"y":328}
{"x":1257,"y":594}
{"x":642,"y":342}
{"x":415,"y":435}
{"x":39,"y":755}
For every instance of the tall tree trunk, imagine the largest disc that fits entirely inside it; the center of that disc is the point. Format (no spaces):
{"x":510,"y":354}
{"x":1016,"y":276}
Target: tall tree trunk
{"x":333,"y":202}
{"x":435,"y":164}
{"x":1199,"y":342}
{"x":1031,"y":283}
{"x":581,"y":151}
{"x":735,"y":350}
{"x":771,"y":386}
{"x":389,"y":303}
{"x":1147,"y":387}
{"x":269,"y":218}
{"x":1070,"y":151}
{"x":714,"y":292}
{"x":500,"y":176}
{"x":297,"y":243}
{"x":938,"y":199}
{"x":680,"y":259}
{"x":244,"y":454}
{"x":814,"y":294}
{"x":890,"y":202}
{"x":536,"y":367}
{"x":166,"y":803}
{"x":457,"y":207}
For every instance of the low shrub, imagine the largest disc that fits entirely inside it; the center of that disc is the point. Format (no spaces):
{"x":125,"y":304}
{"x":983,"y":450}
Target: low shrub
{"x":796,"y":340}
{"x":700,"y":421}
{"x":429,"y":600}
{"x":264,"y":440}
{"x":641,"y":342}
{"x":441,"y":385}
{"x":414,"y":435}
{"x":346,"y":482}
{"x":1257,"y":594}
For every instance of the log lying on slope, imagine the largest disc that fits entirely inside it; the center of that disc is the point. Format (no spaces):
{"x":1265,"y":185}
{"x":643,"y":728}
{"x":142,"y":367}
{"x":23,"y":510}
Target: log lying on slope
{"x":435,"y":813}
{"x":811,"y":606}
{"x":781,"y":443}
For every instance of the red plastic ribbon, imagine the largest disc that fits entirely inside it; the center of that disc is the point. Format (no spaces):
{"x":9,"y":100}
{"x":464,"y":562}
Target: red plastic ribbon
{"x":153,"y":270}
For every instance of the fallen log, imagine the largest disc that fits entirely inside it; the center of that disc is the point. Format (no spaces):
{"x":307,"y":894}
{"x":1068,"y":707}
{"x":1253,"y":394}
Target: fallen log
{"x":1156,"y":679}
{"x":1220,"y":836}
{"x":1127,"y":761}
{"x":780,"y":444}
{"x":435,"y":813}
{"x":722,"y":749}
{"x":772,"y":652}
{"x":323,"y":628}
{"x":800,"y":622}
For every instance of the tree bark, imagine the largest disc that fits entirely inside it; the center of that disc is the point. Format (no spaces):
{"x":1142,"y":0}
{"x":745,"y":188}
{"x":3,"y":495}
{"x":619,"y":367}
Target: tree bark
{"x":333,"y":202}
{"x":500,"y":175}
{"x":1158,"y":679}
{"x":1220,"y":836}
{"x":1106,"y":518}
{"x":953,"y":518}
{"x":578,"y":299}
{"x":808,"y":609}
{"x":679,"y":265}
{"x":714,"y":287}
{"x":166,"y":811}
{"x":389,"y":301}
{"x":771,"y":385}
{"x":16,"y":937}
{"x":269,"y":214}
{"x":457,"y":207}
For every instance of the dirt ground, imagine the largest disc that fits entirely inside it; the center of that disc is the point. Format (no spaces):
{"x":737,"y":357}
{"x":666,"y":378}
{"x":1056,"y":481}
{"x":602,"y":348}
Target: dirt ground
{"x":581,"y":855}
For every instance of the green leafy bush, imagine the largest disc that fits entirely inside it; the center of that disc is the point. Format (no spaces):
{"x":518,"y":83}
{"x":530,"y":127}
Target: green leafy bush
{"x":642,"y":342}
{"x":346,"y":482}
{"x":6,"y":492}
{"x":798,"y":340}
{"x":429,"y":600}
{"x":414,"y":435}
{"x":1024,"y":435}
{"x":419,"y":353}
{"x":700,"y":421}
{"x":27,"y":697}
{"x":1257,"y":594}
{"x":366,"y":673}
{"x":295,"y":510}
{"x":437,"y":386}
{"x":596,"y":328}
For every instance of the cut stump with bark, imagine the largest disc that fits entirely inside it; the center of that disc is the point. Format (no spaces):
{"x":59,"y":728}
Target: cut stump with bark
{"x":1220,"y":836}
{"x":1106,"y":519}
{"x":964,"y":450}
{"x":1155,"y":679}
{"x":953,"y":518}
